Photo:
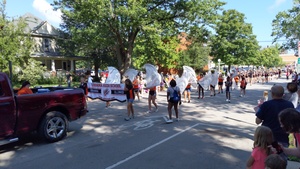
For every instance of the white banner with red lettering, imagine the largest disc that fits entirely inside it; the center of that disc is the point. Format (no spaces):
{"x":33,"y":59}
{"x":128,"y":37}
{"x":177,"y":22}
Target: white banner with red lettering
{"x":106,"y":92}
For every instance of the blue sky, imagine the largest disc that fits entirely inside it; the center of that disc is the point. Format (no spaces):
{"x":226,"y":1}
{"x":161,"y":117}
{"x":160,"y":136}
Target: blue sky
{"x":259,"y":13}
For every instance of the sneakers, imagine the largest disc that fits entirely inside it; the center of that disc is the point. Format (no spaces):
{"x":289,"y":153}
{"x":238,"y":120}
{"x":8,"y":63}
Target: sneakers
{"x":227,"y":100}
{"x":170,"y":121}
{"x":177,"y":119}
{"x":156,"y":109}
{"x":127,"y":118}
{"x":189,"y":101}
{"x":149,"y":111}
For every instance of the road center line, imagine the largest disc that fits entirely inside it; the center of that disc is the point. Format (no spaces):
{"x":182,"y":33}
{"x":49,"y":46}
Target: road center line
{"x":149,"y":148}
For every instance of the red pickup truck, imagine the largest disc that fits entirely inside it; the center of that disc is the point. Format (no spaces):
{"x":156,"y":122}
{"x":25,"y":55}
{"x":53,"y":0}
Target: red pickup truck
{"x":48,"y":113}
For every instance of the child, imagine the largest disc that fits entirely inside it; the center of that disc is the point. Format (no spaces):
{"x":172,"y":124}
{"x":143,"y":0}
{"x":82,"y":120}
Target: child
{"x":130,"y":98}
{"x":263,"y":138}
{"x":83,"y":86}
{"x":228,"y":85}
{"x":274,"y":161}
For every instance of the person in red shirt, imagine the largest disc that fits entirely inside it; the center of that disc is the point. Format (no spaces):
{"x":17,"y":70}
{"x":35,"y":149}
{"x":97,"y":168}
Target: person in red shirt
{"x":25,"y":88}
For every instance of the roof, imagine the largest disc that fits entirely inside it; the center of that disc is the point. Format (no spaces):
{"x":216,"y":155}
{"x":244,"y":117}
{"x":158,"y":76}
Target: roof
{"x":37,"y":26}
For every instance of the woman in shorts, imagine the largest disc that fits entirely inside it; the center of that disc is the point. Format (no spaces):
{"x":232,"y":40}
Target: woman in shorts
{"x":172,"y":101}
{"x":152,"y":99}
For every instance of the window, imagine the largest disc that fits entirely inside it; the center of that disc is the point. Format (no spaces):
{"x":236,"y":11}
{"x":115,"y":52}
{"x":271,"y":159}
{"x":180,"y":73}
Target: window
{"x":46,"y":45}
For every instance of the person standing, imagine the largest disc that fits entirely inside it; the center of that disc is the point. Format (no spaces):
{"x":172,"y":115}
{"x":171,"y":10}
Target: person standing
{"x":220,"y":83}
{"x":83,"y":86}
{"x":213,"y":83}
{"x":69,"y":78}
{"x":228,"y":85}
{"x":243,"y":85}
{"x":152,"y":99}
{"x":136,"y":86}
{"x":187,"y":93}
{"x":292,"y":94}
{"x":262,"y":140}
{"x":129,"y":91}
{"x":200,"y":88}
{"x":173,"y":98}
{"x":267,"y":114}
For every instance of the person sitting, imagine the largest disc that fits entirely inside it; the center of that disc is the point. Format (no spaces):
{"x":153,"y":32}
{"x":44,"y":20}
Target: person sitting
{"x":25,"y":88}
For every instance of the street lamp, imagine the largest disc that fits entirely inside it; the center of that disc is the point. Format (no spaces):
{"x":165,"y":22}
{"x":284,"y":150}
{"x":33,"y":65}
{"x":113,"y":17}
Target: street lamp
{"x":219,"y":61}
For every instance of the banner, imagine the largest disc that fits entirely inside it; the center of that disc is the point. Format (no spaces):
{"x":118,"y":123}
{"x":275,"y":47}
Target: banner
{"x":106,"y":92}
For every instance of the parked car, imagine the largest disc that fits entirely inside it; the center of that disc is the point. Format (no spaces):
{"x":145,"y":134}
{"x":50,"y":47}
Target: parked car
{"x":47,"y":111}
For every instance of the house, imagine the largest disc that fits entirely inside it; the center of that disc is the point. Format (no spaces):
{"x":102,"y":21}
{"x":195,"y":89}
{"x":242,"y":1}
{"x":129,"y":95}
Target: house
{"x":45,"y":48}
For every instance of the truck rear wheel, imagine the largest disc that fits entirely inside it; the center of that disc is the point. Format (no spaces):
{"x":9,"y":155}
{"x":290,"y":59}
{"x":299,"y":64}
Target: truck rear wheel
{"x":54,"y":126}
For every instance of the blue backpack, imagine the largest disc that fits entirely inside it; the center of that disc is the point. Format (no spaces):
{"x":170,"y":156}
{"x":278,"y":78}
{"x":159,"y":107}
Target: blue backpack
{"x":175,"y":95}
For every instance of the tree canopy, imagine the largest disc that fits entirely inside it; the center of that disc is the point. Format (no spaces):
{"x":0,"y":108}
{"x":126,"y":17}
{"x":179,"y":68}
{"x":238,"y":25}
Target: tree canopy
{"x":286,"y":26}
{"x":234,"y":42}
{"x":15,"y":44}
{"x":117,"y":25}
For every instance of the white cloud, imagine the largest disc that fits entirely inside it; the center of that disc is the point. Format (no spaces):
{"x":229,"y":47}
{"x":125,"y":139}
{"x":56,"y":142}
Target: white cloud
{"x":45,"y":9}
{"x":276,"y":4}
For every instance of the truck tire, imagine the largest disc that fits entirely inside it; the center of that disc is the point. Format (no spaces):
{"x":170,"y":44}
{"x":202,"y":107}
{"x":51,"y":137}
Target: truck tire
{"x":53,"y":126}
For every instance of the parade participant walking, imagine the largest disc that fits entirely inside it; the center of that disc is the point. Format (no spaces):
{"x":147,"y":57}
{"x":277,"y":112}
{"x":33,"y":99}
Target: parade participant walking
{"x":220,"y":83}
{"x":173,"y":98}
{"x":262,"y":140}
{"x":200,"y":88}
{"x":130,"y":98}
{"x":83,"y":86}
{"x":268,"y":112}
{"x":213,"y":84}
{"x":152,"y":99}
{"x":187,"y":93}
{"x":228,"y":85}
{"x":136,"y":86}
{"x":243,"y":86}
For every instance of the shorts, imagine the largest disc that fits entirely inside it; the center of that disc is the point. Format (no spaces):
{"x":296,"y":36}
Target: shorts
{"x":212,"y":86}
{"x":130,"y":100}
{"x":243,"y":87}
{"x":152,"y":93}
{"x":220,"y":83}
{"x":172,"y":101}
{"x":188,"y":89}
{"x":136,"y":90}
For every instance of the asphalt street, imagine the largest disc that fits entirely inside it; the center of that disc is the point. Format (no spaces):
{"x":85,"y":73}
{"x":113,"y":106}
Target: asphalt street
{"x":210,"y":134}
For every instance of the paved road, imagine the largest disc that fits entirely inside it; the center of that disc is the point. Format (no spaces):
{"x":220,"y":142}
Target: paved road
{"x":211,"y":134}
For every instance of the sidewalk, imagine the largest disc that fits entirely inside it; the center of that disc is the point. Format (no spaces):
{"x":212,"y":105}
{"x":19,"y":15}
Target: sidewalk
{"x":293,"y":165}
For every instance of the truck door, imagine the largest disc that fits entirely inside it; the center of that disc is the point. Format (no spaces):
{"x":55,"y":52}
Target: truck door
{"x":7,"y":108}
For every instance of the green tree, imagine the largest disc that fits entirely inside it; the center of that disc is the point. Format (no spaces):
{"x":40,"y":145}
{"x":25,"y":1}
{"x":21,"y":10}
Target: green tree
{"x":269,"y":57}
{"x":234,"y":42}
{"x":117,"y":24}
{"x":286,"y":26}
{"x":15,"y":44}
